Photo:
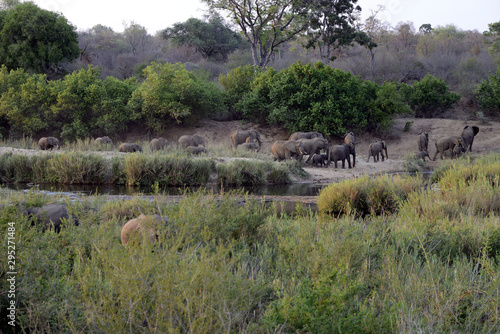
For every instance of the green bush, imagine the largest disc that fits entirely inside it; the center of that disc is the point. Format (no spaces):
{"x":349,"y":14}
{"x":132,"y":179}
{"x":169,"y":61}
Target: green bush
{"x":320,"y":98}
{"x":236,"y":84}
{"x":488,"y":93}
{"x":366,"y":195}
{"x":429,"y":97}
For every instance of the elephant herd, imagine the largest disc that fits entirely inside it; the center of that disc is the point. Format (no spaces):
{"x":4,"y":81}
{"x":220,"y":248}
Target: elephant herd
{"x":455,"y":145}
{"x":313,"y":144}
{"x":194,"y":144}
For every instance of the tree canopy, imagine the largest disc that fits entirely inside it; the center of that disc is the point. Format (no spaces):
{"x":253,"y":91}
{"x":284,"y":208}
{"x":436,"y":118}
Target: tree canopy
{"x":36,"y":40}
{"x":212,"y":39}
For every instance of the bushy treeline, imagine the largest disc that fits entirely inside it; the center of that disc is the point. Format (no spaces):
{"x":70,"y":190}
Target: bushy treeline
{"x":408,"y":257}
{"x":301,"y":98}
{"x":83,"y":105}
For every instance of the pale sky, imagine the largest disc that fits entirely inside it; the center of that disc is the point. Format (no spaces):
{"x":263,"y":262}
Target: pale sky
{"x":156,"y":15}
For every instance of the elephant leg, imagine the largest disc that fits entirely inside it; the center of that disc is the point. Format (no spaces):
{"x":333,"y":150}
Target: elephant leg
{"x":343,"y":163}
{"x":382,"y":153}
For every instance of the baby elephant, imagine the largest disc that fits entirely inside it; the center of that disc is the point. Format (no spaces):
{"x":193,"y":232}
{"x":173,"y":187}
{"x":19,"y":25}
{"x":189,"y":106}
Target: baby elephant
{"x":196,"y":150}
{"x":375,"y":149}
{"x":142,"y":226}
{"x":250,"y":146}
{"x":422,"y":155}
{"x":103,"y":140}
{"x":319,"y":160}
{"x":48,"y":143}
{"x":128,"y":147}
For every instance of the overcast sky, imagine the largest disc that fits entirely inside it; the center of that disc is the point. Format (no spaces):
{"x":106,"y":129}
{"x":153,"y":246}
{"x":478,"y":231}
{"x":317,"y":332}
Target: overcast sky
{"x":157,"y":14}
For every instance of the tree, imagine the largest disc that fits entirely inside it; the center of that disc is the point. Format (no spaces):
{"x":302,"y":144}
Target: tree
{"x":332,"y":26}
{"x":492,"y":39}
{"x":36,"y":40}
{"x":212,"y":39}
{"x":266,"y":24}
{"x":136,"y":35}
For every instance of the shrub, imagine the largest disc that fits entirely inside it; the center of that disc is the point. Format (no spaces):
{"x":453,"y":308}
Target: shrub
{"x":429,"y":97}
{"x":488,"y":93}
{"x":236,"y":84}
{"x":366,"y":195}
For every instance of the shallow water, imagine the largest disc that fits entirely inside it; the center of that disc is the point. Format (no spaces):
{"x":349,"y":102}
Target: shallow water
{"x":296,"y":189}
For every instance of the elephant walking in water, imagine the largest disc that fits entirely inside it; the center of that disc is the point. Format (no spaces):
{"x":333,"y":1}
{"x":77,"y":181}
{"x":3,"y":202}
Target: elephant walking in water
{"x":375,"y":149}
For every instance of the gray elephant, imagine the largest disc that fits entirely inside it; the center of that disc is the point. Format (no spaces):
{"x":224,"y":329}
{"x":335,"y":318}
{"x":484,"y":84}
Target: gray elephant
{"x":448,"y":143}
{"x":314,"y":146}
{"x":286,"y":149}
{"x":143,"y":225}
{"x":305,"y":135}
{"x":250,"y":146}
{"x":196,"y":150}
{"x":129,"y":147}
{"x":468,"y":135}
{"x":342,"y":152}
{"x":48,"y":143}
{"x":191,"y":140}
{"x":351,"y":140}
{"x":103,"y":140}
{"x":239,"y":137}
{"x":375,"y":149}
{"x":319,"y":160}
{"x":158,"y":144}
{"x":457,"y":151}
{"x":423,"y":141}
{"x":48,"y":215}
{"x":422,"y":155}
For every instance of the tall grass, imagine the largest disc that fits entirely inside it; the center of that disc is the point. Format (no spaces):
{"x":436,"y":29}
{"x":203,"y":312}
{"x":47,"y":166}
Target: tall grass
{"x":415,"y":261}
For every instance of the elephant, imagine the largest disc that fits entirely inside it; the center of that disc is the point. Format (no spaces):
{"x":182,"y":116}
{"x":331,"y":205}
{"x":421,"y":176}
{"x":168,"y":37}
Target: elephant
{"x":286,"y":149}
{"x":141,"y":225}
{"x":250,"y":146}
{"x":423,"y":142}
{"x":48,"y":143}
{"x":468,"y":135}
{"x":129,"y":147}
{"x":158,"y":144}
{"x":305,"y":135}
{"x":422,"y":155}
{"x":375,"y":149}
{"x":458,"y":151}
{"x":319,"y":159}
{"x":448,"y":143}
{"x":102,"y":140}
{"x":342,"y":152}
{"x":239,"y":137}
{"x":350,"y":139}
{"x":48,"y":215}
{"x":313,"y":146}
{"x":191,"y":140}
{"x":196,"y":150}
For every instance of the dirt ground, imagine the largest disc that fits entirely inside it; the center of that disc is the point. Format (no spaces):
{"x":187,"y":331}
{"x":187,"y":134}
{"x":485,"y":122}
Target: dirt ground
{"x":400,"y":143}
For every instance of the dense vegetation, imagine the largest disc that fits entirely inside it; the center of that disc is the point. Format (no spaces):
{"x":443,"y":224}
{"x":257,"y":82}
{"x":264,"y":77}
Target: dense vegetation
{"x":416,"y":257}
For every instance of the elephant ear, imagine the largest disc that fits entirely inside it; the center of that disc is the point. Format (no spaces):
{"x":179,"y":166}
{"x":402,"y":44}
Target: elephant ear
{"x":291,"y":145}
{"x":476,"y":130}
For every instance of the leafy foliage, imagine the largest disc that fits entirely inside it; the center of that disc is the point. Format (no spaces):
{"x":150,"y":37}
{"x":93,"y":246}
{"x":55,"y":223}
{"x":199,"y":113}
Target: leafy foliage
{"x":429,"y":97}
{"x":172,"y":93}
{"x":213,"y":39}
{"x":319,"y":98}
{"x":236,"y":84}
{"x":35,"y":39}
{"x":488,"y":93}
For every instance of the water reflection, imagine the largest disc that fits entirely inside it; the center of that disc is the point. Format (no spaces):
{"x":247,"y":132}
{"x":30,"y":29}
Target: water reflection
{"x":296,"y":189}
